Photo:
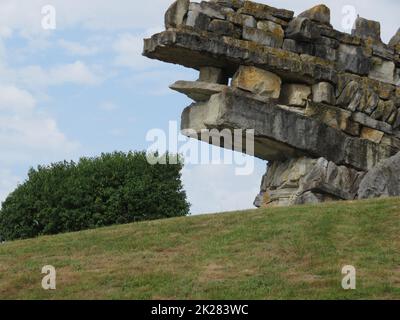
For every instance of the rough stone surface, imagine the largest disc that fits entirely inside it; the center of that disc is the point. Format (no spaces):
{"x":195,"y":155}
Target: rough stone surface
{"x":263,"y":37}
{"x":176,"y":13}
{"x":276,"y":131}
{"x":382,"y":181}
{"x":258,"y":81}
{"x":302,"y":29}
{"x":323,"y":92}
{"x":307,"y":91}
{"x":320,"y":14}
{"x":353,"y":59}
{"x":372,"y":134}
{"x":197,"y":90}
{"x":307,"y":180}
{"x":213,"y":75}
{"x":395,"y":41}
{"x":367,"y":29}
{"x":295,"y":95}
{"x":382,"y":70}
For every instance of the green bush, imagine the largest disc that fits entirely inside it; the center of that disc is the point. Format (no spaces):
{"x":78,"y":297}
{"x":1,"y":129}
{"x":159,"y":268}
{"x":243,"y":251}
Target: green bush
{"x":112,"y":189}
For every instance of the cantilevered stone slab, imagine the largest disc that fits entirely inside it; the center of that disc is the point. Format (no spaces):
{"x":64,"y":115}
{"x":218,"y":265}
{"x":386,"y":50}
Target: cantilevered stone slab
{"x":198,"y":90}
{"x":290,"y":133}
{"x":195,"y":50}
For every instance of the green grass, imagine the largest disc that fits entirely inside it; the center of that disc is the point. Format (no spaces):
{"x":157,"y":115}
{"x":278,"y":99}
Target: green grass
{"x":283,"y":253}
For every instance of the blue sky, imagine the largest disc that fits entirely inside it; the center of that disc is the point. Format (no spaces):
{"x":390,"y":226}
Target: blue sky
{"x":84,"y":88}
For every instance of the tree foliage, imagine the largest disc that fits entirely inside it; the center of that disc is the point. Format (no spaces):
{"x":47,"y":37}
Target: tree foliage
{"x":111,"y":189}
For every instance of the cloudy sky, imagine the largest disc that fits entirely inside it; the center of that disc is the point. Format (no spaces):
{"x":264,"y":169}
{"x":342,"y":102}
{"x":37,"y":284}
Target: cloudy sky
{"x":84,"y":88}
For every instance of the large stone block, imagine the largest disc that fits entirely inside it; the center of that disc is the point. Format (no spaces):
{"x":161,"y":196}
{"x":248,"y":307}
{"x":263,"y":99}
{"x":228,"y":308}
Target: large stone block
{"x":367,"y":29}
{"x":382,"y":70}
{"x":224,"y":28}
{"x":325,"y":177}
{"x":213,"y":75}
{"x":372,"y":134}
{"x":263,"y":37}
{"x":353,"y":59}
{"x":334,"y":117}
{"x":395,"y":40}
{"x":242,"y":20}
{"x":198,"y":90}
{"x":319,"y":13}
{"x":277,"y":131}
{"x":176,"y":13}
{"x":382,"y":181}
{"x":234,"y":4}
{"x":324,"y":92}
{"x":295,"y":94}
{"x":263,"y":11}
{"x":258,"y":81}
{"x":302,"y":29}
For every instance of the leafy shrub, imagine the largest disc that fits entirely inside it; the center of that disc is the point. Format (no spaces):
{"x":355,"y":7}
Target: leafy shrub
{"x":112,"y":189}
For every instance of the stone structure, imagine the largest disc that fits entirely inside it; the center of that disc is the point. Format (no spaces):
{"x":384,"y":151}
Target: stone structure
{"x":324,"y":105}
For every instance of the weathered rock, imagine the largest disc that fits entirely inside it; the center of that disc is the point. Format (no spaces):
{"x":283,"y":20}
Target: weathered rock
{"x":352,"y":117}
{"x":295,"y":95}
{"x":320,"y":14}
{"x":306,"y":180}
{"x":369,"y":101}
{"x":198,"y":20}
{"x":372,"y":134}
{"x":176,"y":13}
{"x":367,"y":29}
{"x":334,"y":117}
{"x":213,"y":10}
{"x":363,"y":119}
{"x":323,"y":92}
{"x":382,"y":181}
{"x":213,"y":75}
{"x":234,"y":4}
{"x":272,"y":28}
{"x":242,"y":20}
{"x":302,"y":29}
{"x":350,"y":96}
{"x":258,"y":81}
{"x":395,"y":41}
{"x":224,"y":28}
{"x":353,"y":59}
{"x":328,"y":178}
{"x":298,"y":47}
{"x":173,"y":46}
{"x":385,"y":111}
{"x":197,"y":90}
{"x":277,"y":131}
{"x":262,"y":11}
{"x":262,"y":37}
{"x":382,"y":70}
{"x":325,"y":52}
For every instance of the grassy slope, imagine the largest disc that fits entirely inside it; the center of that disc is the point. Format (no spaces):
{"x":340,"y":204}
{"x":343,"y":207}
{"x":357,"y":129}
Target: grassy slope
{"x":294,"y":253}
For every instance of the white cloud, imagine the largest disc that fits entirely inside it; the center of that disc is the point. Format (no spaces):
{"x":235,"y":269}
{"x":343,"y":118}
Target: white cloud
{"x":14,"y":99}
{"x":37,"y":77}
{"x":76,"y":73}
{"x":77,"y":49}
{"x":128,"y":49}
{"x":108,"y":106}
{"x":216,"y":188}
{"x":8,"y":181}
{"x":25,"y":131}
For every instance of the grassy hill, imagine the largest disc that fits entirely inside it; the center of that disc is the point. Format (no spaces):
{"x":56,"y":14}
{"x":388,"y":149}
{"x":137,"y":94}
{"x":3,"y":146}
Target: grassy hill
{"x":283,"y":253}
